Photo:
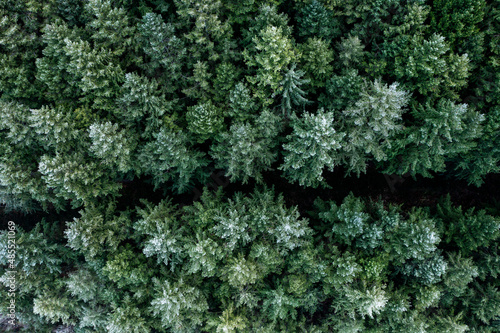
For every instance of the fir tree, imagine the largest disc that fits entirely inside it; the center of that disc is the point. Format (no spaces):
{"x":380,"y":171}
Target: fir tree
{"x":371,"y":123}
{"x":164,"y":236}
{"x":72,"y":176}
{"x":316,"y":60}
{"x":116,"y":148}
{"x":314,"y":20}
{"x":446,"y":130}
{"x":169,"y":158}
{"x":248,"y":149}
{"x":425,"y":66}
{"x":312,"y":147}
{"x":271,"y":53}
{"x":241,"y":104}
{"x":342,"y":91}
{"x":179,"y":305}
{"x":165,"y":50}
{"x":142,"y":104}
{"x":97,"y":230}
{"x":204,"y":120}
{"x":350,"y":51}
{"x":290,"y":90}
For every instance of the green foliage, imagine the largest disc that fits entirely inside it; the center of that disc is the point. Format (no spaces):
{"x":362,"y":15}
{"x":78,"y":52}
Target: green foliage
{"x":428,"y":271}
{"x":19,"y":48}
{"x":371,"y":123}
{"x":178,"y":305}
{"x":342,"y":90}
{"x":34,"y":254}
{"x":52,"y":68}
{"x":204,"y":120}
{"x":83,"y":284}
{"x":170,"y":158}
{"x":314,"y":20}
{"x":126,"y":268}
{"x":164,"y":235}
{"x":279,"y":305}
{"x":425,"y":66}
{"x":444,"y":132}
{"x":248,"y":149}
{"x":142,"y":104}
{"x":229,"y":322}
{"x":348,"y":220}
{"x":414,"y":238}
{"x":271,"y":53}
{"x":73,"y":176}
{"x":109,"y":105}
{"x":241,"y":104}
{"x":97,"y":230}
{"x":485,"y":159}
{"x":164,"y":49}
{"x":96,"y":72}
{"x":460,"y":273}
{"x":127,"y":318}
{"x":312,"y":147}
{"x":456,"y":20}
{"x":113,"y":146}
{"x":290,"y":90}
{"x":316,"y":60}
{"x":350,"y":51}
{"x":208,"y":32}
{"x":54,"y":307}
{"x":55,"y":127}
{"x":268,"y":15}
{"x":468,"y":230}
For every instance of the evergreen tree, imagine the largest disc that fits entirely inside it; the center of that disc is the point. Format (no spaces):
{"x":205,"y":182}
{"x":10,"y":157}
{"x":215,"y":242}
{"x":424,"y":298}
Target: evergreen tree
{"x":164,"y":236}
{"x":179,"y":305}
{"x":248,"y":149}
{"x":55,"y":126}
{"x":169,"y":158}
{"x":73,"y":176}
{"x":456,"y":20}
{"x":165,"y":50}
{"x":204,"y":120}
{"x":97,"y":230}
{"x":312,"y":147}
{"x":342,"y":91}
{"x":100,"y":99}
{"x":142,"y":104}
{"x":468,"y":230}
{"x":444,"y":131}
{"x":97,"y":72}
{"x":316,"y":60}
{"x":271,"y":53}
{"x":127,"y":317}
{"x":371,"y":123}
{"x":314,"y":20}
{"x":290,"y":90}
{"x":350,"y":51}
{"x":485,"y":159}
{"x":116,"y":148}
{"x":53,"y":67}
{"x":241,"y":104}
{"x":415,"y":238}
{"x":425,"y":66}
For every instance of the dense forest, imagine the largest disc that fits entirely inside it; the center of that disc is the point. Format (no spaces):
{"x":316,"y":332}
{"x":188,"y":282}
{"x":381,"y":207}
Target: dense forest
{"x":250,"y":166}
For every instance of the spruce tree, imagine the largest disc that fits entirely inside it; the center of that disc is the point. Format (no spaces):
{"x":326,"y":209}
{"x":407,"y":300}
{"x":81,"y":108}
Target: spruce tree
{"x":311,"y":147}
{"x":248,"y":149}
{"x":170,"y":158}
{"x":290,"y":90}
{"x":371,"y":123}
